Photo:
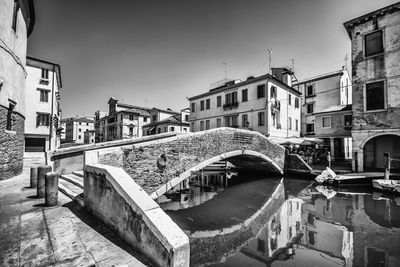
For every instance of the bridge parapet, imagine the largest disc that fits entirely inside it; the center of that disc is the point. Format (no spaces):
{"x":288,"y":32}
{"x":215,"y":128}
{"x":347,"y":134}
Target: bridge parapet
{"x":159,"y":165}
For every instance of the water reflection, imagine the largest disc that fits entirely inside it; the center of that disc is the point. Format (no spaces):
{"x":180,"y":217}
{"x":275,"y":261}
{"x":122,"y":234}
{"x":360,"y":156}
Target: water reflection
{"x":300,"y":225}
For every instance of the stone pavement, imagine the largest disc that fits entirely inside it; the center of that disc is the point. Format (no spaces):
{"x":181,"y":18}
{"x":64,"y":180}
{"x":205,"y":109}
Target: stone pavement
{"x":34,"y":235}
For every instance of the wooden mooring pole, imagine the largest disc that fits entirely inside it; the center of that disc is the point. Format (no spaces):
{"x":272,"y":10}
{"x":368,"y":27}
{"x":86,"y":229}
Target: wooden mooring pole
{"x":387,"y":165}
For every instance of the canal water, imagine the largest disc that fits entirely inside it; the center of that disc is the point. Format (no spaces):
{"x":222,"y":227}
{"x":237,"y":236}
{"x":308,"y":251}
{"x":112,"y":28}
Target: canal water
{"x":274,"y":221}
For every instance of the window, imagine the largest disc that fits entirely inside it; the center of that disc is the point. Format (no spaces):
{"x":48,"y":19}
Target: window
{"x":192,"y":127}
{"x":310,"y":90}
{"x":80,"y":123}
{"x":79,"y":137}
{"x":87,"y":124}
{"x":310,"y":108}
{"x":207,"y":103}
{"x":131,"y":117}
{"x":44,"y":96}
{"x":42,"y":119}
{"x":145,"y":119}
{"x":290,"y":99}
{"x":154,"y":117}
{"x":234,"y":121}
{"x":261,"y":91}
{"x":193,"y":107}
{"x":296,"y":102}
{"x":165,"y":129}
{"x":219,"y":101}
{"x":297,"y":124}
{"x":172,"y":129}
{"x":130,"y":130}
{"x":45,"y":74}
{"x":326,"y":122}
{"x":227,"y":121}
{"x":202,"y":126}
{"x":290,"y":123}
{"x":261,"y":118}
{"x":244,"y":121}
{"x":273,"y":92}
{"x":15,"y":15}
{"x":10,"y":117}
{"x":375,"y":96}
{"x":158,"y":130}
{"x":244,"y":95}
{"x":310,"y":127}
{"x":207,"y":124}
{"x":186,"y":117}
{"x":347,"y":120}
{"x":373,"y":43}
{"x":80,"y":130}
{"x":202,"y":105}
{"x":218,"y":122}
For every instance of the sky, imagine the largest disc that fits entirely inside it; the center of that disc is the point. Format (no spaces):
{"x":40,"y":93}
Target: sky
{"x":157,"y":53}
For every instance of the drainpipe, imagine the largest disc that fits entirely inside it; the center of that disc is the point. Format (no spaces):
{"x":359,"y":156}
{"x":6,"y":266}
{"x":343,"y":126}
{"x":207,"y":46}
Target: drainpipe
{"x":52,"y":108}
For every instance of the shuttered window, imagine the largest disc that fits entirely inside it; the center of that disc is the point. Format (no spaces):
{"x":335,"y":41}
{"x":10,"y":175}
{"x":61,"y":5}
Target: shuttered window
{"x":375,"y":95}
{"x":373,"y":43}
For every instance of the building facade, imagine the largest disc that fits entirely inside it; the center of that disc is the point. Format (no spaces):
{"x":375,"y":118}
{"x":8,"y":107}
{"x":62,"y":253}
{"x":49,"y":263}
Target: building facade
{"x":123,"y":121}
{"x":325,"y":108}
{"x":164,"y":121}
{"x":42,"y":105}
{"x":376,"y":87}
{"x":266,"y":104}
{"x":16,"y":24}
{"x":75,"y":129}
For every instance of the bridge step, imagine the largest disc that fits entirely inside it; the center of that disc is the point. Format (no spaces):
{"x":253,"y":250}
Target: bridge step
{"x":71,"y":190}
{"x":73,"y":179}
{"x":78,"y":173}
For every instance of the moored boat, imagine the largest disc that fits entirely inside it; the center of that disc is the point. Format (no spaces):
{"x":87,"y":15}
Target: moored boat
{"x":387,"y":185}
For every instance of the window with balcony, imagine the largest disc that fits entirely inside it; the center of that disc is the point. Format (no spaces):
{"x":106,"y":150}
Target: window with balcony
{"x":261,"y":118}
{"x":373,"y":43}
{"x":231,"y":100}
{"x":202,"y":105}
{"x":244,"y":95}
{"x":219,"y":101}
{"x":375,"y":96}
{"x":326,"y":122}
{"x":261,"y":91}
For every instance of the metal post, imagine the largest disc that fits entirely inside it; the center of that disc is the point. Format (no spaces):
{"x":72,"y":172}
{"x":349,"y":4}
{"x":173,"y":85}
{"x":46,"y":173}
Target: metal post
{"x":34,"y":177}
{"x":42,"y":170}
{"x":51,"y":189}
{"x":387,"y":165}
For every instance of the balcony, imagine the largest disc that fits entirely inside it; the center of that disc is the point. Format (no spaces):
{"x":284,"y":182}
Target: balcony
{"x":231,"y":105}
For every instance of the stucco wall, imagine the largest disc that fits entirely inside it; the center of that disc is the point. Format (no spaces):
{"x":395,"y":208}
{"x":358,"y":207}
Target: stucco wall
{"x":123,"y":206}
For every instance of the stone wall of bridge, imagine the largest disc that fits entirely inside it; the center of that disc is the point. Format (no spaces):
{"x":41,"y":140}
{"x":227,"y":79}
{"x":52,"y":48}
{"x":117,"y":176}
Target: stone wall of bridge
{"x":158,"y":166}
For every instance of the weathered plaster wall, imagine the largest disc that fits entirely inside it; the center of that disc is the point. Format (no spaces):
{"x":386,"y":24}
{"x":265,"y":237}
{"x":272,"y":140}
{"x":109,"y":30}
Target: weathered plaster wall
{"x":337,"y":128}
{"x":112,"y":196}
{"x":385,"y":67}
{"x":146,"y":165}
{"x":11,"y":145}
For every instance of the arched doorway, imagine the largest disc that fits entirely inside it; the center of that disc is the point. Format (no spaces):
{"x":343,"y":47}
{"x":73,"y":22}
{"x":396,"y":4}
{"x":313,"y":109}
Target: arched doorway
{"x":374,"y":149}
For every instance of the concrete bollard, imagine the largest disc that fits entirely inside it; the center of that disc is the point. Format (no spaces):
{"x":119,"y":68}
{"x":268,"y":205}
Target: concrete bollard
{"x":34,"y":175}
{"x":42,"y":170}
{"x":51,"y":189}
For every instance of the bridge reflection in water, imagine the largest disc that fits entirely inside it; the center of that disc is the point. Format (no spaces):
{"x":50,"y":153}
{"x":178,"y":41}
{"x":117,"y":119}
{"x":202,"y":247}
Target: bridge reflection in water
{"x":270,"y":222}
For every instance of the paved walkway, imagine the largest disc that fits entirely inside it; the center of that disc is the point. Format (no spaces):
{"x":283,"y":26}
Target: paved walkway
{"x":34,"y":235}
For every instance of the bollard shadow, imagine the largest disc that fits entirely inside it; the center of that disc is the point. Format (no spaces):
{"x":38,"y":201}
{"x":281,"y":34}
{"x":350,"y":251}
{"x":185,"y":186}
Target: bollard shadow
{"x":94,"y":223}
{"x":32,"y":197}
{"x":40,"y":205}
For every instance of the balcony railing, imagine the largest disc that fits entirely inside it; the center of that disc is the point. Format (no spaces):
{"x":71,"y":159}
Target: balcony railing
{"x":231,"y":105}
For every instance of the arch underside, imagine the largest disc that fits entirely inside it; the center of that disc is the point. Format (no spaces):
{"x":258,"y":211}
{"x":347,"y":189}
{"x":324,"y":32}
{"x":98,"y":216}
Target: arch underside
{"x":246,"y":159}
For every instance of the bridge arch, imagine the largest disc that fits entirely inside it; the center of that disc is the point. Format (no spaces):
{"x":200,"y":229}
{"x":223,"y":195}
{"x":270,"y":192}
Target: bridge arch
{"x":185,"y":175}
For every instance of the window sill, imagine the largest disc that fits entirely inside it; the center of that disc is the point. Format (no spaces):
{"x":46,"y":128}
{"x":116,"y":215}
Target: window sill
{"x":10,"y":132}
{"x":375,"y":110}
{"x":375,"y":55}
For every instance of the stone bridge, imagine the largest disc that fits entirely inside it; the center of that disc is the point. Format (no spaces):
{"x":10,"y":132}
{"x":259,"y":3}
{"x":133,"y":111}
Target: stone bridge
{"x":158,"y":165}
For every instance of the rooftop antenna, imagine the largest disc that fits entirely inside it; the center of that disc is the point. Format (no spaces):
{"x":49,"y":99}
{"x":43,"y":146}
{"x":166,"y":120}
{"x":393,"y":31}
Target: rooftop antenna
{"x":292,"y":64}
{"x":269,"y":60}
{"x":225,"y":68}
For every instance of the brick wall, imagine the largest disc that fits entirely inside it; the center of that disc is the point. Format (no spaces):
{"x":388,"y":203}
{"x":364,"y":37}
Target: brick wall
{"x":11,"y":145}
{"x":151,"y":170}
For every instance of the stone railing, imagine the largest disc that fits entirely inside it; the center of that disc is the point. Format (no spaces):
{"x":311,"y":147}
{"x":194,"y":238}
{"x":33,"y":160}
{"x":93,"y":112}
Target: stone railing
{"x":112,"y":196}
